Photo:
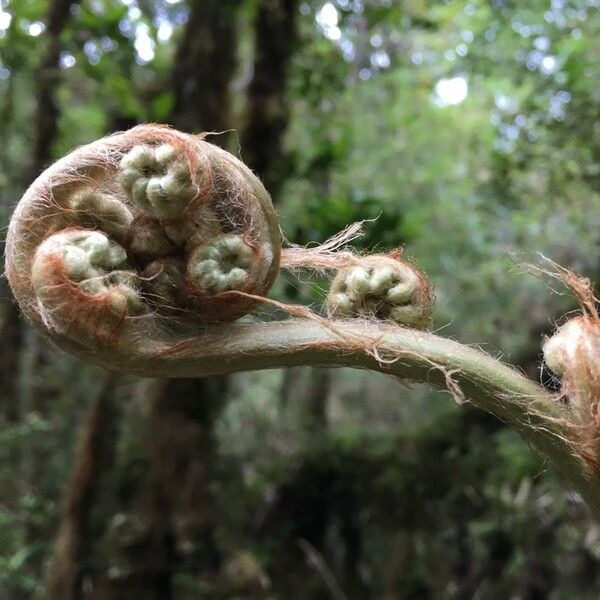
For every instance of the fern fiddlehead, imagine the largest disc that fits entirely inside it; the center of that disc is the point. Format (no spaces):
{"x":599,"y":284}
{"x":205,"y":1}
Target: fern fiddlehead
{"x":139,"y":231}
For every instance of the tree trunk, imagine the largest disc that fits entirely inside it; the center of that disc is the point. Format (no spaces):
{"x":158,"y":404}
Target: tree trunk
{"x":22,"y":357}
{"x":169,"y":523}
{"x":174,"y":500}
{"x":11,"y":334}
{"x":183,"y":414}
{"x":48,"y":78}
{"x":267,"y":106}
{"x":94,"y":454}
{"x":183,"y":458}
{"x":204,"y":66}
{"x":46,"y":119}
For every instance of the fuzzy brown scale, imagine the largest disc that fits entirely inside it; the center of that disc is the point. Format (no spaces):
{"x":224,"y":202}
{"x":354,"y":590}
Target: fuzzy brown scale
{"x":154,"y":198}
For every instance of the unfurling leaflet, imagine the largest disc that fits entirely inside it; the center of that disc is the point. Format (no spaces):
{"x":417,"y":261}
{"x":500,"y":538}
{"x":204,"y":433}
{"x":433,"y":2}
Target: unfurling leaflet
{"x":384,"y":287}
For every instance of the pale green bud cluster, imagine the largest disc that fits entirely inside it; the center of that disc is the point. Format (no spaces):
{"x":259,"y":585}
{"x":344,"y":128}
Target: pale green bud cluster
{"x":381,"y":287}
{"x":158,"y":180}
{"x":221,"y":264}
{"x":94,"y":263}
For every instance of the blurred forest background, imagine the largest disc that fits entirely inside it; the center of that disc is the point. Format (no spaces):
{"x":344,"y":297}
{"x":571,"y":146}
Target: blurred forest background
{"x":469,"y":131}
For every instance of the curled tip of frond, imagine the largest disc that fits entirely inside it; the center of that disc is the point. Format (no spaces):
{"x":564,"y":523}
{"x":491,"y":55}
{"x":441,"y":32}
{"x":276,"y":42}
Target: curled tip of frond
{"x":139,"y":224}
{"x":382,"y":286}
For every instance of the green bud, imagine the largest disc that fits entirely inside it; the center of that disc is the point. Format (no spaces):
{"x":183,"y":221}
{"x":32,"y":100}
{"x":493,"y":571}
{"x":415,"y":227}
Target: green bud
{"x":382,"y":287}
{"x":158,"y":180}
{"x":220,"y":265}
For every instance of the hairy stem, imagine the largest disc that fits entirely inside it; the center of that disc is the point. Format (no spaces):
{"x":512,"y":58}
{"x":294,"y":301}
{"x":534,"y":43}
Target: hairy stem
{"x":417,"y":356}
